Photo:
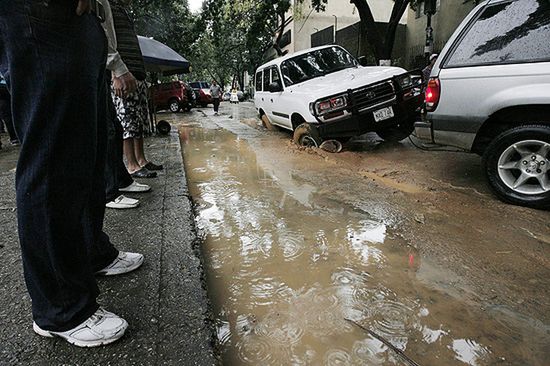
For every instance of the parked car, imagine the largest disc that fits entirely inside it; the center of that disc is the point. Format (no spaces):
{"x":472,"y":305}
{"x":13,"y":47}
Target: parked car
{"x":175,"y":95}
{"x":202,"y":92}
{"x":323,"y":93}
{"x":489,"y":93}
{"x":226,"y":97}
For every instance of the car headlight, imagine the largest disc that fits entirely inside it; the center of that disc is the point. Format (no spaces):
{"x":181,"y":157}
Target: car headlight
{"x":330,"y":105}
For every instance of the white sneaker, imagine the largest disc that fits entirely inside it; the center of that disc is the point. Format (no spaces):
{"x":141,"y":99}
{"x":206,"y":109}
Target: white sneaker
{"x":100,"y":329}
{"x":122,"y":203}
{"x":124,"y":263}
{"x":136,"y":187}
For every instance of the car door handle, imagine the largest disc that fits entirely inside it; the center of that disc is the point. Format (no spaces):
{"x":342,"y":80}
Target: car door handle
{"x":271,"y":100}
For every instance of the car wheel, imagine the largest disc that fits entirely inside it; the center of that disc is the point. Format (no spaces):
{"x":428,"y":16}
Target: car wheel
{"x":307,"y":135}
{"x":267,"y":123}
{"x":174,"y":106}
{"x":517,"y":165}
{"x":396,"y":133}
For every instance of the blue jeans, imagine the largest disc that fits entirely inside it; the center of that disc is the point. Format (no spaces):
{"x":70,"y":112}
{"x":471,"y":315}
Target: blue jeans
{"x":54,"y":63}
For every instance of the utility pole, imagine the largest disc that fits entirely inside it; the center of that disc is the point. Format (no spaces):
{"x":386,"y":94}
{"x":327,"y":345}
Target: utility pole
{"x":429,"y":9}
{"x":335,"y":27}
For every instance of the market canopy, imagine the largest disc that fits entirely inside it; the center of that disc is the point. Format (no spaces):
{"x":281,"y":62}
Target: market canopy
{"x":161,"y":59}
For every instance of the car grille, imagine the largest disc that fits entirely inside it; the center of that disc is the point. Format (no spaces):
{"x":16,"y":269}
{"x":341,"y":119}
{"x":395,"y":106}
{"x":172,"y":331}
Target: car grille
{"x":373,"y":95}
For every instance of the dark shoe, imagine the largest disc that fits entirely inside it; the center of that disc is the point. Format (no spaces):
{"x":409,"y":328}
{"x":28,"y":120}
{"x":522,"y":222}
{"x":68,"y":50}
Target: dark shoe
{"x":143,"y":173}
{"x":152,"y":166}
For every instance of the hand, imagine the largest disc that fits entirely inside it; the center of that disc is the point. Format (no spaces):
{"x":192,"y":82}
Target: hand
{"x":124,"y":85}
{"x":84,"y":6}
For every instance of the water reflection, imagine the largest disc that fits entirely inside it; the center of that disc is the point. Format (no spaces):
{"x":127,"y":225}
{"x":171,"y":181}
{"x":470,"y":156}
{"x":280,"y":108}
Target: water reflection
{"x":288,"y":263}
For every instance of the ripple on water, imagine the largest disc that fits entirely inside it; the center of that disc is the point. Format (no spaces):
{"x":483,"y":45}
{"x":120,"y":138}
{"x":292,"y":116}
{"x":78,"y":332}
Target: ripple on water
{"x":337,"y":357}
{"x":393,"y":320}
{"x":291,"y":243}
{"x":257,"y":350}
{"x":322,"y":312}
{"x":280,"y":328}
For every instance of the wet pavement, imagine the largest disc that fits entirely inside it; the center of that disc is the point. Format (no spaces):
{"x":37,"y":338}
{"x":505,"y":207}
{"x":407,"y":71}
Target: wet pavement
{"x":316,"y":258}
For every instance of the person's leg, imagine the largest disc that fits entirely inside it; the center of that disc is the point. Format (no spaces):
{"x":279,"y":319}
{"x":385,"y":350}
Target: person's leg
{"x":101,"y":250}
{"x":129,"y":152}
{"x":111,"y":163}
{"x":54,"y":62}
{"x":5,"y":114}
{"x":123,"y":178}
{"x":139,"y":150}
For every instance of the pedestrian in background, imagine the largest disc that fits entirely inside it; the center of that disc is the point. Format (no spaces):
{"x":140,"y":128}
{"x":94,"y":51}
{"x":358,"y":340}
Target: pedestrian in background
{"x":216,"y":93}
{"x":53,"y":56}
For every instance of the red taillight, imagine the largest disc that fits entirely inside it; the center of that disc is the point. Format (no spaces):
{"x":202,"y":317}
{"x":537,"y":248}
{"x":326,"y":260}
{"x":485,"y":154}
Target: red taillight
{"x":433,"y":92}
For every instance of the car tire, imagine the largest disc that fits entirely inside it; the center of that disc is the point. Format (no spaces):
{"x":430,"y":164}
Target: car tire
{"x":396,"y":133}
{"x":307,"y":135}
{"x":267,"y":123}
{"x":174,"y":106}
{"x":517,"y":166}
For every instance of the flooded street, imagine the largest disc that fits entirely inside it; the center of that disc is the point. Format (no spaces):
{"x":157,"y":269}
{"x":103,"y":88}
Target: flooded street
{"x":313,"y":262}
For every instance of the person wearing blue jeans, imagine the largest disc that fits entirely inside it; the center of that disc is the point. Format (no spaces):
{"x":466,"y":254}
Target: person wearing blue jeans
{"x":53,"y":55}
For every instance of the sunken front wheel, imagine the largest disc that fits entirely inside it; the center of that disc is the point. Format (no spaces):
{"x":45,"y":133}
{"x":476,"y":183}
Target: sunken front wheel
{"x":517,"y":165}
{"x":307,"y":135}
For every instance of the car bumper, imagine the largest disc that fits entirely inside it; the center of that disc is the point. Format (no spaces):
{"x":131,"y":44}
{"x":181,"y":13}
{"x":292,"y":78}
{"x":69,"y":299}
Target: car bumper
{"x":361,"y":123}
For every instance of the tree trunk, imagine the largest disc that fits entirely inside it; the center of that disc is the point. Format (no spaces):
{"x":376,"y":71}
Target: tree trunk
{"x":382,"y":46}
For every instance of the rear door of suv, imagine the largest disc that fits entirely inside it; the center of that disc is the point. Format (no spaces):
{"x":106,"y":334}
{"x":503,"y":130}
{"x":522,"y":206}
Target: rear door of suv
{"x":503,"y":53}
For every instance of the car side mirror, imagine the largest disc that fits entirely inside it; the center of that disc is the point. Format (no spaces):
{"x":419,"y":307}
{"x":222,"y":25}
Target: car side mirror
{"x":275,"y":87}
{"x":363,"y":61}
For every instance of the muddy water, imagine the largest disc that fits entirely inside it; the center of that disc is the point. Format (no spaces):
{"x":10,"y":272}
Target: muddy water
{"x":287,"y":264}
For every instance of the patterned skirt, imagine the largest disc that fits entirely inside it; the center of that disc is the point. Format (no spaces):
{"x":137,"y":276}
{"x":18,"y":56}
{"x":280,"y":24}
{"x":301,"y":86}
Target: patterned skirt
{"x":133,"y":111}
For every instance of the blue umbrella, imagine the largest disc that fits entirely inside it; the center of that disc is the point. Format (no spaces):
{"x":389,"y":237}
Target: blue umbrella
{"x":160,"y":58}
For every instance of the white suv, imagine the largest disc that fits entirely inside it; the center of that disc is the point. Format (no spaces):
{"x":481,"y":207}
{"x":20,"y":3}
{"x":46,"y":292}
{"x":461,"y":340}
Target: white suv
{"x":324,"y":93}
{"x":489,"y":93}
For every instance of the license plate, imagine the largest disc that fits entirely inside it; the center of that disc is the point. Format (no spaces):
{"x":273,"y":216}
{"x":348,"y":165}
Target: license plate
{"x":383,"y":114}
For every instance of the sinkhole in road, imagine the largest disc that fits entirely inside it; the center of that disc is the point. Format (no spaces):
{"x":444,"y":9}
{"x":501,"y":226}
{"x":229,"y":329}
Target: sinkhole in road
{"x":287,"y":264}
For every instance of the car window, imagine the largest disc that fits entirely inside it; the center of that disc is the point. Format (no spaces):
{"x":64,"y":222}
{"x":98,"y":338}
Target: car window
{"x":259,"y":81}
{"x":205,"y":85}
{"x":315,"y":63}
{"x":275,"y":76}
{"x":506,"y":33}
{"x":266,"y":80}
{"x":195,"y":85}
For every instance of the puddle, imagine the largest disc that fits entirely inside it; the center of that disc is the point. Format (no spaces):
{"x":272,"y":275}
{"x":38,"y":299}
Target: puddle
{"x":287,"y":264}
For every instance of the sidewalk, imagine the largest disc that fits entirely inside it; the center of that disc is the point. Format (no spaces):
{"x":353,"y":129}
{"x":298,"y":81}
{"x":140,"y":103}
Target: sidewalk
{"x":164,"y":301}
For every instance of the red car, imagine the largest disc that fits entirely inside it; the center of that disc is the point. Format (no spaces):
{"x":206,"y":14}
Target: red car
{"x":202,"y":92}
{"x":174,"y":96}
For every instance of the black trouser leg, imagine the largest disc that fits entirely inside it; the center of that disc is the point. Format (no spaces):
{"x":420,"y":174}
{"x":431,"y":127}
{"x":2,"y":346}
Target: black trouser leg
{"x":54,"y":63}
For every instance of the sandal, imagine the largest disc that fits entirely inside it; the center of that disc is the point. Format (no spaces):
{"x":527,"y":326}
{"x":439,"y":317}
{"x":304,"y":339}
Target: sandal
{"x":143,"y":173}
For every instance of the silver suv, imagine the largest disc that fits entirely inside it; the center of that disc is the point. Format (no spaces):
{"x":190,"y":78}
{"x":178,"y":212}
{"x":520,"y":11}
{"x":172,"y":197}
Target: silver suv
{"x":489,"y":93}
